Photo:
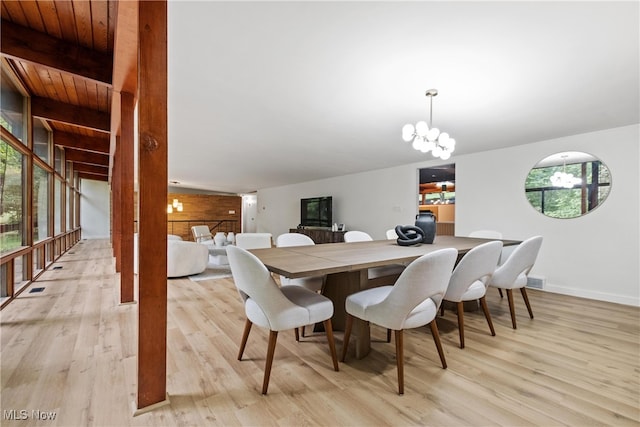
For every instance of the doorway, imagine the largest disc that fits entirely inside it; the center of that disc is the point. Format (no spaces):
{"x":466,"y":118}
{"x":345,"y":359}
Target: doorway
{"x":437,"y":194}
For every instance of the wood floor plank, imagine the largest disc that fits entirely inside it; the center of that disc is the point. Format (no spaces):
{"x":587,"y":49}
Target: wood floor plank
{"x":72,"y":349}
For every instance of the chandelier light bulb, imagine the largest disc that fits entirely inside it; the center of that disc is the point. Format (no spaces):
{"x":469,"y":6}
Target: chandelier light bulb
{"x":417,"y":143}
{"x":408,"y":131}
{"x":433,"y":133}
{"x":422,"y":129}
{"x":445,"y":155}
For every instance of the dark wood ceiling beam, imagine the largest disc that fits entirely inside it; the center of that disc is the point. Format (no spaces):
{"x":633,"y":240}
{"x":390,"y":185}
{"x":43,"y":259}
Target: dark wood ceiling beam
{"x":94,"y":177}
{"x":78,"y":156}
{"x":91,"y":169}
{"x":98,"y":144}
{"x":48,"y":109}
{"x":25,"y":44}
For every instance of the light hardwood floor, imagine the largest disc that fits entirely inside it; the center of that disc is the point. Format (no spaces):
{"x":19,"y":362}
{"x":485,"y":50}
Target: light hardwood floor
{"x":71,"y":349}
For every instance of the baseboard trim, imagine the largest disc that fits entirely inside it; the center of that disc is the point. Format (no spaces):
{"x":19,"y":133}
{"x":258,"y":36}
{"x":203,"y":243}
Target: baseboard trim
{"x":600,"y":296}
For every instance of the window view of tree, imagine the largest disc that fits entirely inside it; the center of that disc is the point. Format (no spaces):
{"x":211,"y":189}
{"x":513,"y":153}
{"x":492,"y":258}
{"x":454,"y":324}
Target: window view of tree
{"x":591,"y":186}
{"x":11,"y":108}
{"x":40,"y":203}
{"x":11,"y":184}
{"x":41,"y":140}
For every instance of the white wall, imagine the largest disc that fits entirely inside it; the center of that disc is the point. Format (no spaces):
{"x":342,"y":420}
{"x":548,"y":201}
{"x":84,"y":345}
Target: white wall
{"x":94,"y":209}
{"x":595,"y":256}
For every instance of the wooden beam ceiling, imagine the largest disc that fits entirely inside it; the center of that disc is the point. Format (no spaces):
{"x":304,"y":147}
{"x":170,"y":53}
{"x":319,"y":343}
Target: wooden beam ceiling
{"x":39,"y":48}
{"x":94,"y":177}
{"x":91,"y":169}
{"x":79,"y":156}
{"x":49,"y":109}
{"x":97,"y":144}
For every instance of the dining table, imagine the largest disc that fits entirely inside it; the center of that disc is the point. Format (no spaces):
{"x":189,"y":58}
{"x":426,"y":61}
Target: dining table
{"x":345,"y":266}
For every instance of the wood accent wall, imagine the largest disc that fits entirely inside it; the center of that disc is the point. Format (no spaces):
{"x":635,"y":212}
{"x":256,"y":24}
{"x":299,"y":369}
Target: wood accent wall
{"x":204,"y":207}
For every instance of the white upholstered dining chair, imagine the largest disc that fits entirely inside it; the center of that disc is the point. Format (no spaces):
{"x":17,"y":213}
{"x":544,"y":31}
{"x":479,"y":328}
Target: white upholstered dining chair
{"x":468,"y":281}
{"x":313,"y":283}
{"x":512,"y":273}
{"x":412,"y":302}
{"x":253,"y":240}
{"x":275,"y":308}
{"x":297,"y":239}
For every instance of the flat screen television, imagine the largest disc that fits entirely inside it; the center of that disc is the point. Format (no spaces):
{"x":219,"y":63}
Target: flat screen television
{"x":316,"y":212}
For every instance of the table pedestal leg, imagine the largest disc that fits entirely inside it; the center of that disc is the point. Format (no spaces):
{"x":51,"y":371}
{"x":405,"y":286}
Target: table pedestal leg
{"x":337,"y":288}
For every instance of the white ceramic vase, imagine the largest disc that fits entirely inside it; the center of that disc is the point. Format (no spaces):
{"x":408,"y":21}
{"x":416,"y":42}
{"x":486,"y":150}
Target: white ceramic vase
{"x":231,"y":237}
{"x":219,"y":239}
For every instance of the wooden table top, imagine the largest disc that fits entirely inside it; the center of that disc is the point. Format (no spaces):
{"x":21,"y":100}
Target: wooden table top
{"x":317,"y":260}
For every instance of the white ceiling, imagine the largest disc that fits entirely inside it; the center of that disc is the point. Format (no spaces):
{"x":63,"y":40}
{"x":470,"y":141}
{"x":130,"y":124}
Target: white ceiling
{"x":264,"y":94}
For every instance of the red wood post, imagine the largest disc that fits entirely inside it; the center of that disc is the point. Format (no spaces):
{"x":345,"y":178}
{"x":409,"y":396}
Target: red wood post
{"x":152,"y":235}
{"x":126,"y":196}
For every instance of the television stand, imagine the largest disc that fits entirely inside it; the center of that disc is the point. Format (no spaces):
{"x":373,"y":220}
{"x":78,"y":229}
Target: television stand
{"x":320,"y":235}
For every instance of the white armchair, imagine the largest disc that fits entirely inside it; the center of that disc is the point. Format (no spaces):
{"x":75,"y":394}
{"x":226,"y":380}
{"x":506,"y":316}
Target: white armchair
{"x":183,"y":258}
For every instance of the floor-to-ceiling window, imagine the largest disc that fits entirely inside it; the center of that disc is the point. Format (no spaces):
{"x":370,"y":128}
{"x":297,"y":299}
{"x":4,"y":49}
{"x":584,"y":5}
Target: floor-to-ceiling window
{"x":36,"y":201}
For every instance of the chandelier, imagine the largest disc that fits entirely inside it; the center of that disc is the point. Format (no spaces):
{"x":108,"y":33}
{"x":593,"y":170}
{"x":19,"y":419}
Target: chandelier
{"x":564,"y":179}
{"x":427,"y":138}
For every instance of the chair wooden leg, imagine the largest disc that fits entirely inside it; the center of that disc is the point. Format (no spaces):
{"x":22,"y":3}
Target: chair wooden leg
{"x":273,"y":337}
{"x":297,"y":333}
{"x":245,"y":336}
{"x":523,"y":291}
{"x":332,"y":345}
{"x":512,"y":308}
{"x":303,"y":332}
{"x":460,"y":309}
{"x":500,"y":292}
{"x":388,"y":335}
{"x":483,"y":303}
{"x":400,"y":360}
{"x":442,"y":309}
{"x":347,"y":334}
{"x":436,"y":339}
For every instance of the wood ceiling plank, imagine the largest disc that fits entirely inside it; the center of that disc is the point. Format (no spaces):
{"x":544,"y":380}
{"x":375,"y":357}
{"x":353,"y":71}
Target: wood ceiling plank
{"x":100,"y":18}
{"x":92,"y":92}
{"x":49,"y":109}
{"x":49,"y":14}
{"x":111,"y":31}
{"x":98,"y":144}
{"x":82,"y":12}
{"x":14,"y":12}
{"x":30,"y":79}
{"x":67,"y":21}
{"x":25,"y":44}
{"x":104,"y":98}
{"x":69,"y":83}
{"x":81,"y":91}
{"x":34,"y":18}
{"x":59,"y":86}
{"x":79,"y":156}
